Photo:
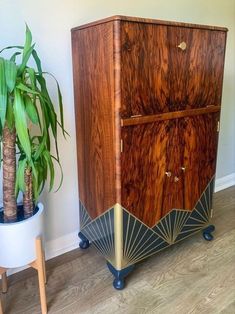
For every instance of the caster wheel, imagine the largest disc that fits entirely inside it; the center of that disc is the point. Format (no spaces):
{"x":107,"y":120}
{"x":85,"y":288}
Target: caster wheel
{"x":119,"y":275}
{"x":208,"y":236}
{"x":84,"y":243}
{"x":118,"y":284}
{"x":207,"y":233}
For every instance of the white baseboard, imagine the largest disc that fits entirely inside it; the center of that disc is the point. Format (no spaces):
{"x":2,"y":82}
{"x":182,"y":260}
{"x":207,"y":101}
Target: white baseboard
{"x":70,"y":241}
{"x":224,"y":182}
{"x":61,"y":245}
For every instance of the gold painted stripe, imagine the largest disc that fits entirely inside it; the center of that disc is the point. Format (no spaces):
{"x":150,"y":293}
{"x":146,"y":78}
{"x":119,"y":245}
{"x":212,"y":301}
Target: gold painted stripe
{"x":118,"y":235}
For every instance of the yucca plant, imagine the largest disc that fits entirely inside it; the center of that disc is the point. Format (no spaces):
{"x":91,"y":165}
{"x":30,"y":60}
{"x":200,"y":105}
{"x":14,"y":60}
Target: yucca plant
{"x":28,"y":121}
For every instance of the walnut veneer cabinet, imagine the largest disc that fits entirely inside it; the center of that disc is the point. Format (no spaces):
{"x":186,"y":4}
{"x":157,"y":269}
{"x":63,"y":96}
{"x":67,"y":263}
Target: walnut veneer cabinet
{"x":147,"y":103}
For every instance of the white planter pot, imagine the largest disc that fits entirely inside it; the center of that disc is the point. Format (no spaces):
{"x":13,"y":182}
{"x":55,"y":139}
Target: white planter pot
{"x":17,"y":240}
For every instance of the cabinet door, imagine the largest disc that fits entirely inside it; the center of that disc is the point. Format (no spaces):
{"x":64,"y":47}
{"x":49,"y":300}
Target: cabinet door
{"x":167,"y":165}
{"x":200,"y":137}
{"x":158,"y":76}
{"x":151,"y":163}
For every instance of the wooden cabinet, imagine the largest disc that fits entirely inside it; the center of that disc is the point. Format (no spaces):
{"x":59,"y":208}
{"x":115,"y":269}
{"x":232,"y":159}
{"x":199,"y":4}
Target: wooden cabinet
{"x":147,"y":104}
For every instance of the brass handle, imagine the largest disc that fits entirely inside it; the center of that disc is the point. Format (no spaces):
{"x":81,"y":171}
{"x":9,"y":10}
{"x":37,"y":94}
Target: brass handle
{"x":176,"y":179}
{"x":182,"y":45}
{"x":183,"y":169}
{"x":168,"y":174}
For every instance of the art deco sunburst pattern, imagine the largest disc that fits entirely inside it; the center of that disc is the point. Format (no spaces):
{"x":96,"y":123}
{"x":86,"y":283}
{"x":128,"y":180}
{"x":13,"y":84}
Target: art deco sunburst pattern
{"x":100,"y":232}
{"x":138,"y":240}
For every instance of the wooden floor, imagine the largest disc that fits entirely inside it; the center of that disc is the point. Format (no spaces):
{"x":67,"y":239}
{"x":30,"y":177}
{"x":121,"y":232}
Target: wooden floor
{"x":193,"y":276}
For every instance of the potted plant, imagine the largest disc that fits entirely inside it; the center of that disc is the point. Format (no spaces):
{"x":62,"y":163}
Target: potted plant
{"x":28,"y":123}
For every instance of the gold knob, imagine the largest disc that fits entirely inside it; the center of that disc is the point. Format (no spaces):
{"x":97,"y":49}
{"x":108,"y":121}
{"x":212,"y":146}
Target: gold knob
{"x":168,"y":174}
{"x":183,"y":168}
{"x":182,"y":45}
{"x":176,"y":179}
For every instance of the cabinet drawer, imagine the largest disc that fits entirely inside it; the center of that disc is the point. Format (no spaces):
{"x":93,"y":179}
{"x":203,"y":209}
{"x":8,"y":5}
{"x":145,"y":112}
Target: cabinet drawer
{"x":168,"y":68}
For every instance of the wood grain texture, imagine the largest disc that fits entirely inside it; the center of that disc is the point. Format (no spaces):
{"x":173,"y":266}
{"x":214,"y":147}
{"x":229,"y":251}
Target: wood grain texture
{"x":190,"y":277}
{"x":126,"y":67}
{"x":200,"y":151}
{"x":186,"y":148}
{"x":95,"y":116}
{"x":149,"y":152}
{"x":149,"y":21}
{"x":159,"y":77}
{"x":144,"y":163}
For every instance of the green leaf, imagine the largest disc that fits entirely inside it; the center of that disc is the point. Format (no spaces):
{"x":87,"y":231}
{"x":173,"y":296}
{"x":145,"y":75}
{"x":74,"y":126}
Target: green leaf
{"x":13,"y":57}
{"x":61,"y":173}
{"x":61,"y":108}
{"x":45,"y":117}
{"x":0,"y":154}
{"x":34,"y":54}
{"x":41,"y":146}
{"x":31,"y":109}
{"x":20,"y":182}
{"x":21,"y":124}
{"x":37,"y":61}
{"x":10,"y":114}
{"x":48,"y":106}
{"x":25,"y":88}
{"x":3,"y":92}
{"x":25,"y":60}
{"x":11,"y":47}
{"x":48,"y":159}
{"x":27,"y":51}
{"x":10,"y":72}
{"x":28,"y":41}
{"x":60,"y":104}
{"x":32,"y":77}
{"x":42,"y":172}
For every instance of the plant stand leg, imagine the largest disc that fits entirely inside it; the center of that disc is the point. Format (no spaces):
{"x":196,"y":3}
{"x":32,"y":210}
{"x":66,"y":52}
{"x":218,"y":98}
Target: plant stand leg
{"x":4,"y":282}
{"x":44,"y":268}
{"x":38,"y":264}
{"x":1,"y":310}
{"x":41,"y":277}
{"x":119,"y":275}
{"x":207,"y":233}
{"x":3,"y":273}
{"x":84,"y":243}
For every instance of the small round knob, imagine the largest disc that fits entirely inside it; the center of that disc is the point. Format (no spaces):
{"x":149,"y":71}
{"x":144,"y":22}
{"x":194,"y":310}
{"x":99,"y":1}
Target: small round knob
{"x":182,"y":45}
{"x":176,"y":179}
{"x":168,"y":174}
{"x":183,"y":168}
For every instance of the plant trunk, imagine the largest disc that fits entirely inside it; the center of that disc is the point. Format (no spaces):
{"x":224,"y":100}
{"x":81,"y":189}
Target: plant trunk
{"x":9,"y":174}
{"x":28,"y":194}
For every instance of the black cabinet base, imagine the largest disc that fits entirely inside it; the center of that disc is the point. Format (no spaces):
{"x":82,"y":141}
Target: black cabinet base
{"x":84,"y":243}
{"x":119,"y":275}
{"x":207,"y":233}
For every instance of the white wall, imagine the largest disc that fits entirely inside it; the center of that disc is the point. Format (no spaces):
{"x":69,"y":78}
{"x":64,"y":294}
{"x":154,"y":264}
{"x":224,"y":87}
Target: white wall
{"x":50,"y":22}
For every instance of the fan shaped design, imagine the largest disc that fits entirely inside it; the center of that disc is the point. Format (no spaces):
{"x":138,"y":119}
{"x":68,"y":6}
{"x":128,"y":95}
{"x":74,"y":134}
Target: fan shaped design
{"x":170,"y":226}
{"x":140,"y":241}
{"x":100,"y":232}
{"x":200,"y":215}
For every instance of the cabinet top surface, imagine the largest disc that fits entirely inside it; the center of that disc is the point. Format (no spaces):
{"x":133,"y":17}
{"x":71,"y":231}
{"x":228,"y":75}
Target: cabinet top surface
{"x":148,"y":21}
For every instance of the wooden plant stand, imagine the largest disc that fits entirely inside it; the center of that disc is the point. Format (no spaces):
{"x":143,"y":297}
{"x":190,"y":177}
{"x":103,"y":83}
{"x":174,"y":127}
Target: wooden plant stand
{"x":39,"y":265}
